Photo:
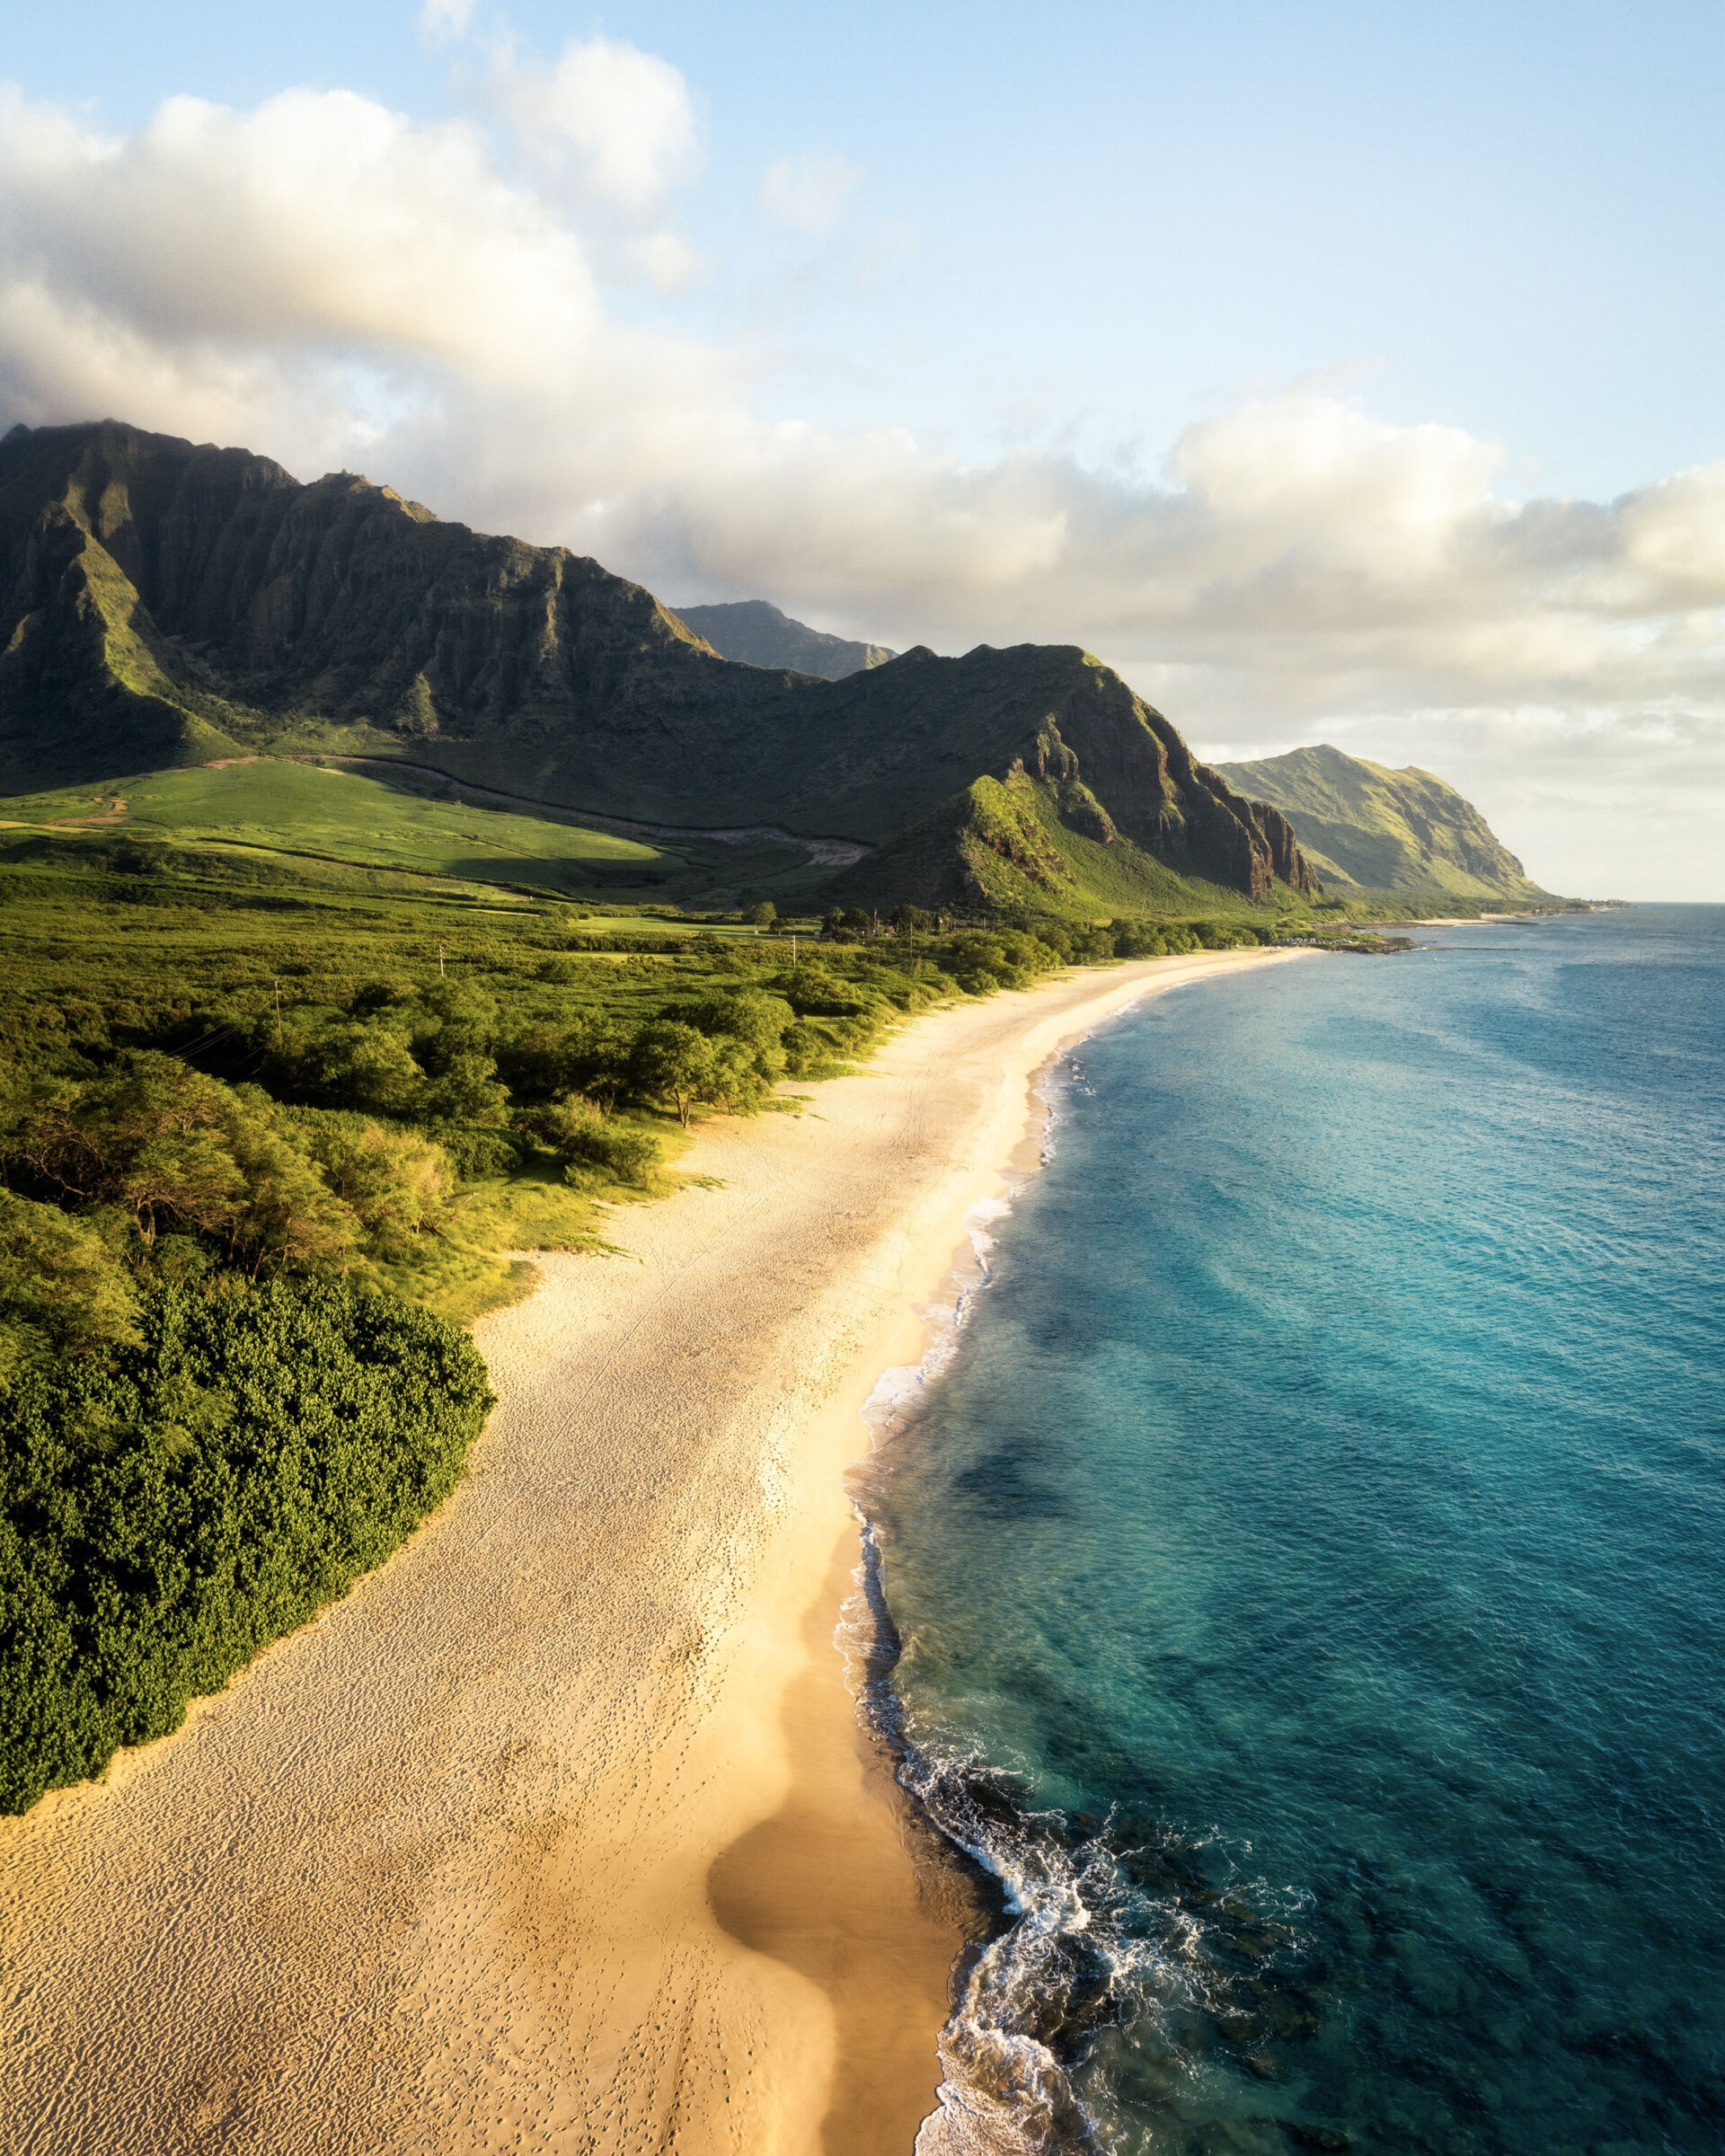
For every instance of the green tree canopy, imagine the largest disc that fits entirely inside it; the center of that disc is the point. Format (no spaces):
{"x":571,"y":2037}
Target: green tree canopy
{"x":63,"y":1290}
{"x":673,"y":1062}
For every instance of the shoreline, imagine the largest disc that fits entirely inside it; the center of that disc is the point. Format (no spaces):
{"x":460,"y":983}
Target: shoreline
{"x":944,"y":1270}
{"x":562,"y":1828}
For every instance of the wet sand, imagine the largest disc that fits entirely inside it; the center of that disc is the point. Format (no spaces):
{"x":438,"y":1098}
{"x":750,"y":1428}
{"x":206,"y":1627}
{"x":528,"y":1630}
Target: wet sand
{"x":559,"y":1832}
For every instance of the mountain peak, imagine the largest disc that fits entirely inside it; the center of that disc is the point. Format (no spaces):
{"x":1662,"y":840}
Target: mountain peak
{"x":756,"y":634}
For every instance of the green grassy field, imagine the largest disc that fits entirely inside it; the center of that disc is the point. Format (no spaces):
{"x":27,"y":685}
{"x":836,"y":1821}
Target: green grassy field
{"x":409,"y":823}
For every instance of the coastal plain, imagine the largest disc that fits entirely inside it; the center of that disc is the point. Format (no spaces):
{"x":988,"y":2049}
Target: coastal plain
{"x":559,"y":1832}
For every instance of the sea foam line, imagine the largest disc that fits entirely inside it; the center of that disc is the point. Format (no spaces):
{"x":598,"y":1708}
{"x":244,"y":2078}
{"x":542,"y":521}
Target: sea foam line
{"x":1103,"y":1925}
{"x":1004,"y":2092}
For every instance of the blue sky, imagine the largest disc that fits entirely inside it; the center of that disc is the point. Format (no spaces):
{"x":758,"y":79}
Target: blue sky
{"x":1085,"y":324}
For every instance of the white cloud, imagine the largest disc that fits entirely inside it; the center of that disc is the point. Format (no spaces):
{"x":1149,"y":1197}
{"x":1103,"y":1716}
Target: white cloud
{"x":333,"y":284}
{"x":805,"y":194}
{"x":318,"y":222}
{"x":604,"y":121}
{"x":443,"y":20}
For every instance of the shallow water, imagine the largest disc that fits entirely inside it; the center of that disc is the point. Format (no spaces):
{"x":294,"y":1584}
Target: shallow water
{"x":1308,"y":1566}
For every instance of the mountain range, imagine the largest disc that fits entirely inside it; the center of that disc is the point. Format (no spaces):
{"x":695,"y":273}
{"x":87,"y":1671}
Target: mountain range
{"x":165,"y":603}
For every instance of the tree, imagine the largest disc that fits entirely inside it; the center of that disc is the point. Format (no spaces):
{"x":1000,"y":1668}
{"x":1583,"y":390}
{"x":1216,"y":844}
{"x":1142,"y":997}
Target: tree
{"x":591,"y":1056}
{"x":287,"y":1220}
{"x":368,"y":1066}
{"x":762,"y":916}
{"x":396,"y":1183}
{"x":750,"y":1015}
{"x":672,"y":1061}
{"x":466,"y":1090}
{"x":63,"y":1292}
{"x":150,"y":1135}
{"x":734,"y":1079}
{"x":466,"y":1020}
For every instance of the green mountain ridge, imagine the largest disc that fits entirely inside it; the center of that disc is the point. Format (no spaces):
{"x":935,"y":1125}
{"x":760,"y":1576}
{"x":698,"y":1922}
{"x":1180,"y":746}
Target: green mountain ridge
{"x":1364,"y":827}
{"x":163,"y":603}
{"x":759,"y":635}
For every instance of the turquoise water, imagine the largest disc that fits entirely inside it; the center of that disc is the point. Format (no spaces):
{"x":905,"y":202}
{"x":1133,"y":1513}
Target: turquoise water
{"x":1308,"y":1575}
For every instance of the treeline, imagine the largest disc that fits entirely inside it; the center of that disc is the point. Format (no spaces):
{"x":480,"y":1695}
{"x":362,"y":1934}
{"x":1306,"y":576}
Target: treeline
{"x":330,"y":1126}
{"x":1082,"y":943}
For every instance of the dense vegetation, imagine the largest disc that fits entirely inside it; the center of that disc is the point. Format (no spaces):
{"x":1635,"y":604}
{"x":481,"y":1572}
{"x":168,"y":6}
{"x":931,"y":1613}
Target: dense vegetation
{"x":168,"y":1508}
{"x":265,"y":1133}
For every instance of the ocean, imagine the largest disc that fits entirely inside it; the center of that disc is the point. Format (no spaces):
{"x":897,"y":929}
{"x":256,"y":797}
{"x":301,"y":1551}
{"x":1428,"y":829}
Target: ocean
{"x":1302,"y":1588}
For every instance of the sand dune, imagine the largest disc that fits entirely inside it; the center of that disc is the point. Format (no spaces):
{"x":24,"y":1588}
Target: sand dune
{"x":557,"y":1834}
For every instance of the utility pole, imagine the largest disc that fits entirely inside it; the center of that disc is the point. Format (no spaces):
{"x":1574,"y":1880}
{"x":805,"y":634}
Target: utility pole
{"x":277,"y":1014}
{"x":794,"y":950}
{"x":440,"y":961}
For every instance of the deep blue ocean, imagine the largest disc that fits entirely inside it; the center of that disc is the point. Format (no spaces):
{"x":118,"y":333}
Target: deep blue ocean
{"x":1308,"y":1572}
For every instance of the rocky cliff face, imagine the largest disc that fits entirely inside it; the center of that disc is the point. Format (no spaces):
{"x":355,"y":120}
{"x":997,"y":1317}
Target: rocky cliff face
{"x":165,"y":602}
{"x":251,"y":592}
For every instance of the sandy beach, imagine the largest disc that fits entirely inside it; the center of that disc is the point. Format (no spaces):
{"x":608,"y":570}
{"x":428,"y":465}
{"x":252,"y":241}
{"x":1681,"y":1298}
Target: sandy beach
{"x":559,"y":1833}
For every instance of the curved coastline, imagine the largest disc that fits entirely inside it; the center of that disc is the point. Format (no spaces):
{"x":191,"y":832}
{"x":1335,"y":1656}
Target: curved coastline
{"x":560,"y":1830}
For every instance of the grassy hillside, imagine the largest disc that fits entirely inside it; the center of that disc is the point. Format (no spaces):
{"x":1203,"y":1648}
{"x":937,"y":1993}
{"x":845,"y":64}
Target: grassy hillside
{"x":404,"y":820}
{"x":1366,"y":827}
{"x":1003,"y":847}
{"x":1015,"y":846}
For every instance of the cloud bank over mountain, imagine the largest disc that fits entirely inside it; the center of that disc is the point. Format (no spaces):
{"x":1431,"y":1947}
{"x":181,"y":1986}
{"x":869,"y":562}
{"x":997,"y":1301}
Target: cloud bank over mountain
{"x":451,"y":306}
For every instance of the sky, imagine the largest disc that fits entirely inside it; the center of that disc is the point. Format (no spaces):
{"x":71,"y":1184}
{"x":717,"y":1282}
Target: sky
{"x":1346,"y":373}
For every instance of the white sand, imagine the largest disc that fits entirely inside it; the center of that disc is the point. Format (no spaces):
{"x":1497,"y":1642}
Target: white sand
{"x":445,"y":1872}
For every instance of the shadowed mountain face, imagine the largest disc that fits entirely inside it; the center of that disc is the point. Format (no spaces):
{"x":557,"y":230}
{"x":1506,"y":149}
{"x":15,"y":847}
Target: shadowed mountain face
{"x":1384,"y":830}
{"x":759,"y":635}
{"x":164,"y":604}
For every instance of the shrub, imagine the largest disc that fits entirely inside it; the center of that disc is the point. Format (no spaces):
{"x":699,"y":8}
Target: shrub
{"x":808,"y":1050}
{"x":591,"y":1056}
{"x":594,"y":1146}
{"x":465,"y":1090}
{"x":165,"y":1512}
{"x":348,"y":1064}
{"x":394,"y":1183}
{"x":750,"y":1015}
